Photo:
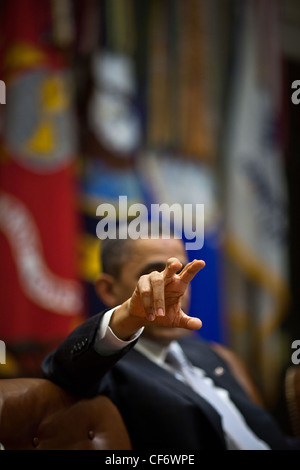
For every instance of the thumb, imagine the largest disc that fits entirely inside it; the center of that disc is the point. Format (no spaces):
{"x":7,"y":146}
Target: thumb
{"x":190,"y":323}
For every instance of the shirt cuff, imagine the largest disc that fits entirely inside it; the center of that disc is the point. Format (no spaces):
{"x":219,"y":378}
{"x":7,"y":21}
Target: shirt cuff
{"x":107,"y":342}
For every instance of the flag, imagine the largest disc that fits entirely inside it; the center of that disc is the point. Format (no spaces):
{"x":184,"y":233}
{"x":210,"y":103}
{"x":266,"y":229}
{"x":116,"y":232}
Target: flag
{"x":180,"y":78}
{"x":112,"y":132}
{"x":41,"y":296}
{"x":180,"y":182}
{"x":179,"y":162}
{"x":256,"y":197}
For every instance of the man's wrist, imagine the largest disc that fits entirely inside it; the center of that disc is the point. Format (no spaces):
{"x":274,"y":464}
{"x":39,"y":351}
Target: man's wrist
{"x":123,"y":324}
{"x":106,"y":342}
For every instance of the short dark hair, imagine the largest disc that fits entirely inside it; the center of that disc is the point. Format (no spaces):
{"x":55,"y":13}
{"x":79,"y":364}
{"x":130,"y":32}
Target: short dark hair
{"x":114,"y":252}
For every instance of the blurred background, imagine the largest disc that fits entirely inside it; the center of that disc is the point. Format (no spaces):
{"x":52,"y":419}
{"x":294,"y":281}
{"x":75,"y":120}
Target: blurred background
{"x":164,"y":101}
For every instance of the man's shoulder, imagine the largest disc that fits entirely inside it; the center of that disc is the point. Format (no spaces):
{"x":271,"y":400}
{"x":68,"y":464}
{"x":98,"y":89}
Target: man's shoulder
{"x":202,"y":352}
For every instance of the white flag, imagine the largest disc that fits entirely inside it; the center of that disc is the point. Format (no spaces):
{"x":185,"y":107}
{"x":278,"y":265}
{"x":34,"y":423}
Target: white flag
{"x":256,"y":195}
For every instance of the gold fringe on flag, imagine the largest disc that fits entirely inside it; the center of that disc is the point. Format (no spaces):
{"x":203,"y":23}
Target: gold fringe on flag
{"x":159,"y":90}
{"x":121,"y":29}
{"x":194,"y":106}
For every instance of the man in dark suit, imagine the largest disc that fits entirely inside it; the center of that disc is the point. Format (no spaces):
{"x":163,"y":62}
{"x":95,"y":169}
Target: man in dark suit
{"x":123,"y":353}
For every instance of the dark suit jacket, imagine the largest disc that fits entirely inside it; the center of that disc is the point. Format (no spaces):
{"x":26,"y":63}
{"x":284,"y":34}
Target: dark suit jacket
{"x":160,"y":412}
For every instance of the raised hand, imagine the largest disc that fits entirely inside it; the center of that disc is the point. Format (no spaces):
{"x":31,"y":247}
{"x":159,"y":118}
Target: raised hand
{"x":157,"y":300}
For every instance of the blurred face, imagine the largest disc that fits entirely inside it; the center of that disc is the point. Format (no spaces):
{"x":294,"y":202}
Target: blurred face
{"x":147,"y":256}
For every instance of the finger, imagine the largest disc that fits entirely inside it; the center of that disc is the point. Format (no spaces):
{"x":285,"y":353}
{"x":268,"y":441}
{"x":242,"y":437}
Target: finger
{"x":172,"y":266}
{"x":190,"y":270}
{"x":158,"y":293}
{"x":190,"y":323}
{"x":145,"y":292}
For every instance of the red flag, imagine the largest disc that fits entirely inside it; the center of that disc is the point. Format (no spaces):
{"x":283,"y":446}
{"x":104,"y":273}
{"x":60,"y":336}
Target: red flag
{"x":41,"y":298}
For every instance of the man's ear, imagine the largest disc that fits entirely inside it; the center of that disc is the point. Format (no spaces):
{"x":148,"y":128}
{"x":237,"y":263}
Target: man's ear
{"x":104,"y":286}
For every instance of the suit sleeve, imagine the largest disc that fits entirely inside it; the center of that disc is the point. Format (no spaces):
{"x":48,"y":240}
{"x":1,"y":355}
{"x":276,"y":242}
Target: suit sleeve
{"x":76,"y":366}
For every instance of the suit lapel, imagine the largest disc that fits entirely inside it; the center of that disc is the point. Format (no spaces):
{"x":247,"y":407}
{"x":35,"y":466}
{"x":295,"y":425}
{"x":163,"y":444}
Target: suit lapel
{"x":258,"y":420}
{"x":167,"y":379}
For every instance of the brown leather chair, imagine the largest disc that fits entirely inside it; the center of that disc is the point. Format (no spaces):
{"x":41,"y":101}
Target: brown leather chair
{"x":292,"y":396}
{"x":37,"y":414}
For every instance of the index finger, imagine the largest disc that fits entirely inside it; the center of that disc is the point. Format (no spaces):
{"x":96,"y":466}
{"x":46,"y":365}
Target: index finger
{"x":190,"y":270}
